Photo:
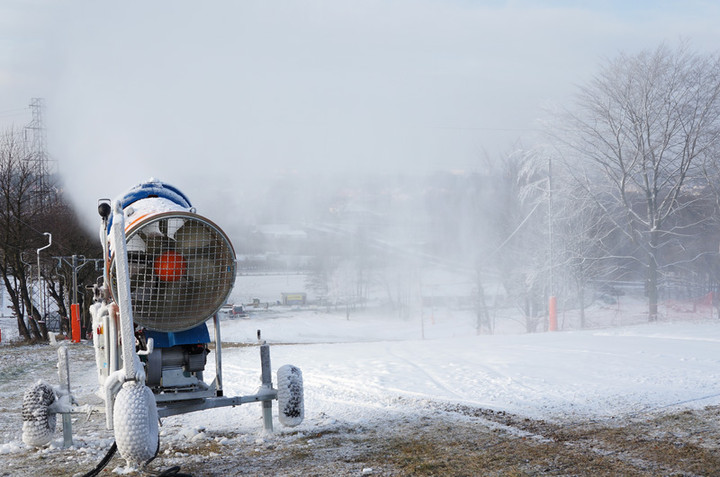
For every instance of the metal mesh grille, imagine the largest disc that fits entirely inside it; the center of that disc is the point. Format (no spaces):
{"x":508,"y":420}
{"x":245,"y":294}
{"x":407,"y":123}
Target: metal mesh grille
{"x":182,"y":269}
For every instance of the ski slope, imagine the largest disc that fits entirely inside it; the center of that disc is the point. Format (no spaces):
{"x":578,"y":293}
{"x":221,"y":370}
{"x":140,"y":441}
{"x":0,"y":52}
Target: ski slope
{"x":374,"y":371}
{"x":358,"y":371}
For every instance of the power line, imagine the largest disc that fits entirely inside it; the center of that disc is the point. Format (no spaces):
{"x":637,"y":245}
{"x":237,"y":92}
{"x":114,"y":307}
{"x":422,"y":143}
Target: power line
{"x":13,"y":112}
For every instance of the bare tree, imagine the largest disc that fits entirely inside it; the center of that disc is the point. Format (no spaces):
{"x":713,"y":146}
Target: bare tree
{"x":521,"y":250}
{"x":636,"y":140}
{"x":27,"y":212}
{"x":19,"y":213}
{"x":584,"y":244}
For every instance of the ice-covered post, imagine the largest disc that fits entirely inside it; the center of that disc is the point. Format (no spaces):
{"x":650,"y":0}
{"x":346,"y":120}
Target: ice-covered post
{"x":64,"y":376}
{"x":218,"y":357}
{"x":266,"y":378}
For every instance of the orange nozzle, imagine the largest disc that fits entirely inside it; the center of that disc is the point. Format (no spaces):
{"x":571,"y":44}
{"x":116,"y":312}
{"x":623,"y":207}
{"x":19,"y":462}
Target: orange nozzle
{"x":170,"y":266}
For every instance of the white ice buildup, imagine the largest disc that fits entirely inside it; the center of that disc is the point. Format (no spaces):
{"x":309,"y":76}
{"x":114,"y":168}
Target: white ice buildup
{"x":291,"y":406}
{"x":37,"y":415}
{"x":136,"y":423}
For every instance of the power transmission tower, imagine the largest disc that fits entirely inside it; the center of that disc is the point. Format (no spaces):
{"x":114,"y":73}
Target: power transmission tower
{"x":36,"y":146}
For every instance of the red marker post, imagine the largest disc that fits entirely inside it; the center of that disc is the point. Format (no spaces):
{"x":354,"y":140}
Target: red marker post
{"x":75,"y":322}
{"x":552,"y":312}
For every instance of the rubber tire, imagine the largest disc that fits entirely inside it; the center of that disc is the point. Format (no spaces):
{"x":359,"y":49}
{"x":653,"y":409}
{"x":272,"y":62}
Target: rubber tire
{"x":38,"y":419}
{"x":291,"y":405}
{"x":135,"y":420}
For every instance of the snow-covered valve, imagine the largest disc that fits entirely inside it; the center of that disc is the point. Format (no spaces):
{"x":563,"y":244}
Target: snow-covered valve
{"x":38,"y":415}
{"x":42,"y":403}
{"x":290,"y":394}
{"x":291,"y":403}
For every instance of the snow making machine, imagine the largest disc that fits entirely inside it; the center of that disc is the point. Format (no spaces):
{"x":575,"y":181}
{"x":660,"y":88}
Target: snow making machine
{"x":167,"y":272}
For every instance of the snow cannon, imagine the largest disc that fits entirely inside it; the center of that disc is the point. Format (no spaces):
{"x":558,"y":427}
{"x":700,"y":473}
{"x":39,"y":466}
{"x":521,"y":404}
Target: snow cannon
{"x":167,"y":272}
{"x":182,"y":265}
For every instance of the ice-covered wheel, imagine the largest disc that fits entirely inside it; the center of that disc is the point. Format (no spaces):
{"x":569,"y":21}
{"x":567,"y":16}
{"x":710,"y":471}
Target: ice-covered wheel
{"x":37,"y":415}
{"x":291,"y":405}
{"x":135,"y":419}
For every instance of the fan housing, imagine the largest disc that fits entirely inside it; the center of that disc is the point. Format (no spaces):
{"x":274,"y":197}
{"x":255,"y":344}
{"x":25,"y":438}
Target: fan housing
{"x":182,"y":269}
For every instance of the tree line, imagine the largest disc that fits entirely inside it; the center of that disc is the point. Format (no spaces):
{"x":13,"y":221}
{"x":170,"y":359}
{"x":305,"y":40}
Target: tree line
{"x":33,"y":205}
{"x":624,"y":187}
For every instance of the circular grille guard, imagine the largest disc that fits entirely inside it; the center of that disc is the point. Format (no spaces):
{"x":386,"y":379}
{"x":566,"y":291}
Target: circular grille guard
{"x":182,"y":269}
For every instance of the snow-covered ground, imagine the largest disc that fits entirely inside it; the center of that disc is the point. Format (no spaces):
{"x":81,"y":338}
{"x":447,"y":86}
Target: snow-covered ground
{"x":365,"y":369}
{"x":354,"y":368}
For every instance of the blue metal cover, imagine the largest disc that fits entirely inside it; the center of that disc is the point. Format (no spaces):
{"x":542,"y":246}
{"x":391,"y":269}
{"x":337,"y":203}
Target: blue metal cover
{"x":152,"y":188}
{"x":197,"y":335}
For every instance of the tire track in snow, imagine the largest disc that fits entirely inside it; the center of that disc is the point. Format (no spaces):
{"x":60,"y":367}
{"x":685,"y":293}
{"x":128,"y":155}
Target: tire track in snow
{"x":499,"y":388}
{"x":351,"y":392}
{"x":498,"y":384}
{"x":431,"y":376}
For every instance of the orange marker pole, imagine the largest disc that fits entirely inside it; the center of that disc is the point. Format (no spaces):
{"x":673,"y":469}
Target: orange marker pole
{"x":552,"y":312}
{"x":75,"y":322}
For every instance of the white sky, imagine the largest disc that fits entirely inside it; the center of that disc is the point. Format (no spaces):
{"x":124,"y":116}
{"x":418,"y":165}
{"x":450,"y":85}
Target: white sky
{"x":223,"y":92}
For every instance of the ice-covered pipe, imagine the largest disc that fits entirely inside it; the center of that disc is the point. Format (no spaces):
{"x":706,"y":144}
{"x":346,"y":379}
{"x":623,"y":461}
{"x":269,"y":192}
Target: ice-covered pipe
{"x":131,"y":363}
{"x":112,"y":387}
{"x":112,"y":334}
{"x":99,"y":313}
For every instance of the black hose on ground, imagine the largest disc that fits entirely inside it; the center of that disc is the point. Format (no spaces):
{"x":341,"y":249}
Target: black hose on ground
{"x":110,"y":453}
{"x":170,"y":472}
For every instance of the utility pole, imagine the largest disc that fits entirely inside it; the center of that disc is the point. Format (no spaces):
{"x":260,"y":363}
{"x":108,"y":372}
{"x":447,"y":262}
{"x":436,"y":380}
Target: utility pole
{"x":76,"y":262}
{"x":42,"y":301}
{"x":552,"y":300}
